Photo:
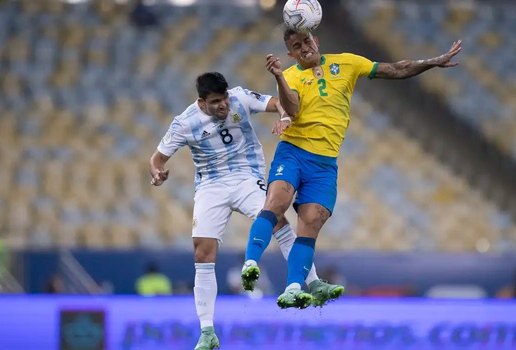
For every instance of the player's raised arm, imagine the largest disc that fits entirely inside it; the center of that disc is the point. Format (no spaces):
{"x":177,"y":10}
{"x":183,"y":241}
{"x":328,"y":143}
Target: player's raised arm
{"x":408,"y":68}
{"x":289,"y":99}
{"x":157,"y":168}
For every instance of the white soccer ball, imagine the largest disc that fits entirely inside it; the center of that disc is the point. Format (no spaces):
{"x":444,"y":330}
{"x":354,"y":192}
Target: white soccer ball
{"x":302,"y":15}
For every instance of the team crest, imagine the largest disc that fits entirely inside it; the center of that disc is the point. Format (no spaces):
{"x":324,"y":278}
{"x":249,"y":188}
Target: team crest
{"x":236,"y":118}
{"x":334,"y":69}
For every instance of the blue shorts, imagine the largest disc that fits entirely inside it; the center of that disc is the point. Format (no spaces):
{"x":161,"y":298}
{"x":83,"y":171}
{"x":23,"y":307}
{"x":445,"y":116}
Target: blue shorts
{"x":314,"y":177}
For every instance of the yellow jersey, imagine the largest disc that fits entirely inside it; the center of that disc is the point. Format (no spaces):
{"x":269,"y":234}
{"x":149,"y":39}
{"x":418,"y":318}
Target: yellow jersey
{"x":323,"y":118}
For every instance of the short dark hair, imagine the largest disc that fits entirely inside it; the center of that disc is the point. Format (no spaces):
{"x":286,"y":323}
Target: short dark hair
{"x":287,"y":33}
{"x":211,"y":82}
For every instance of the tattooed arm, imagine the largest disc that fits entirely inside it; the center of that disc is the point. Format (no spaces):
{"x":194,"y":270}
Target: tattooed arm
{"x":407,"y":68}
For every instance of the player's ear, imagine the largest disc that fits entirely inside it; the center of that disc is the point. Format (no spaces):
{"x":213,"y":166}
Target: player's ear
{"x":316,"y":41}
{"x":201,"y":102}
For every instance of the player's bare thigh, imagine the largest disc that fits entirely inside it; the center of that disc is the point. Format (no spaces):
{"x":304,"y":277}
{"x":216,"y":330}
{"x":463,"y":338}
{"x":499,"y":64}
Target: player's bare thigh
{"x":310,"y":219}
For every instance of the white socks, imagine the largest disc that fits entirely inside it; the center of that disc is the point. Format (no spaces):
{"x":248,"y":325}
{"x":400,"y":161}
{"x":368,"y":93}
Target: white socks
{"x":205,"y":292}
{"x":286,"y":237}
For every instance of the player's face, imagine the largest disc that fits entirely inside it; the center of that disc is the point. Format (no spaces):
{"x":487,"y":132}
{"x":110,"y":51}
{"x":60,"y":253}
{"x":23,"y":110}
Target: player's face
{"x":216,"y":105}
{"x":304,"y":48}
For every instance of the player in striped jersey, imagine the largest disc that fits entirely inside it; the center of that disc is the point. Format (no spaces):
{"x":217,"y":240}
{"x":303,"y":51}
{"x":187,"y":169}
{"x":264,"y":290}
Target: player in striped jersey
{"x":230,"y":171}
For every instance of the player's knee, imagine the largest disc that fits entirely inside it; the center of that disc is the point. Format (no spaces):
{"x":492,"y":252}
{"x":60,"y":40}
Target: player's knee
{"x":277,"y":206}
{"x":279,"y":197}
{"x":205,"y":251}
{"x":313,"y":218}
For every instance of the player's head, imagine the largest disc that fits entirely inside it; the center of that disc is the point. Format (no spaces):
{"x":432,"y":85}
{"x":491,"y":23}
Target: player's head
{"x":303,"y":47}
{"x":212,"y":89}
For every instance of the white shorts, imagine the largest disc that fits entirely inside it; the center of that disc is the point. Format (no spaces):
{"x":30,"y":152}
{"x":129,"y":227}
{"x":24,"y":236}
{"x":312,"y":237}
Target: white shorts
{"x":214,"y":203}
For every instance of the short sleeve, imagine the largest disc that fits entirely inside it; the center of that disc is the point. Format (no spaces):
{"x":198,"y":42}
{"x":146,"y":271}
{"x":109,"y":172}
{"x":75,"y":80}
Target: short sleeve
{"x":292,"y":81}
{"x":256,"y":101}
{"x":173,"y":140}
{"x":364,"y":66}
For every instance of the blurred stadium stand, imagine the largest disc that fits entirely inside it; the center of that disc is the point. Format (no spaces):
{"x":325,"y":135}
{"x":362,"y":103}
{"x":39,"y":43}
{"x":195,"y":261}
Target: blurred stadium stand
{"x":87,"y":93}
{"x":409,"y":29}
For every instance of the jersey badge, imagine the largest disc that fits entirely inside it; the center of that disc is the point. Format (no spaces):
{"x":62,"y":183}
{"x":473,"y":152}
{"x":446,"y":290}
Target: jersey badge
{"x":334,"y":69}
{"x":236,"y":118}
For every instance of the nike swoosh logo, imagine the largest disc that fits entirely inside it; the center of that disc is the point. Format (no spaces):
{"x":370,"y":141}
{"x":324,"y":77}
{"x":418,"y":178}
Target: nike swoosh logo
{"x":304,"y":267}
{"x":258,"y":239}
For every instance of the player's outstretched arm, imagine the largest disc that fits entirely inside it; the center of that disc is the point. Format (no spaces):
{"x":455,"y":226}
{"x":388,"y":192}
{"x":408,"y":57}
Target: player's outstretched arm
{"x":407,"y":68}
{"x":157,"y":168}
{"x":289,"y":99}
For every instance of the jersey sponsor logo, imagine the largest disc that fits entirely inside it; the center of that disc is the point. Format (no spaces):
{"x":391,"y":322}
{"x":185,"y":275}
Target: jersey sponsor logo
{"x":236,"y":118}
{"x":205,"y":134}
{"x":334,"y":69}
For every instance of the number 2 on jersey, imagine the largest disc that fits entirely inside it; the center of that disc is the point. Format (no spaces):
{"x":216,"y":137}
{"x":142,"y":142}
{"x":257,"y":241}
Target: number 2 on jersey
{"x":322,"y":87}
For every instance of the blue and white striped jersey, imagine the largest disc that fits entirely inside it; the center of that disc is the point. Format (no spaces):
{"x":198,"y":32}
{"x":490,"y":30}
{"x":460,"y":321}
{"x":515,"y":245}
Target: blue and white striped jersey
{"x":220,"y":147}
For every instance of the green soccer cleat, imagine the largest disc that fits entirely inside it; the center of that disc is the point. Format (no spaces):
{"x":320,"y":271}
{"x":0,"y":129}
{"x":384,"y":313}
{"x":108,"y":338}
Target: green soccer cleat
{"x":208,"y":340}
{"x":323,"y":292}
{"x":294,"y":298}
{"x":250,"y":274}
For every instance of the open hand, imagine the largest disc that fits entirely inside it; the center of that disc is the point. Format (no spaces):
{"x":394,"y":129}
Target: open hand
{"x":280,"y":126}
{"x":273,"y":64}
{"x":444,"y":60}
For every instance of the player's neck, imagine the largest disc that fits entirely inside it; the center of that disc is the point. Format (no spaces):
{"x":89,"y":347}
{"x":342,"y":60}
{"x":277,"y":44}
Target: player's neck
{"x":315,"y":63}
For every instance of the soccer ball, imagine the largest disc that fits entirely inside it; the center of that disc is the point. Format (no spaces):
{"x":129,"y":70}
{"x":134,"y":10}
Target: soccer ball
{"x":302,"y":15}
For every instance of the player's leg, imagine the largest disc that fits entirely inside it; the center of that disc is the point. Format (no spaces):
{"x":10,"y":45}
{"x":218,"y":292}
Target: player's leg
{"x":314,"y":203}
{"x":283,"y":180}
{"x":311,"y":218}
{"x":260,"y":234}
{"x":205,"y":290}
{"x":285,"y":235}
{"x":279,"y":196}
{"x":249,"y":199}
{"x":211,"y":214}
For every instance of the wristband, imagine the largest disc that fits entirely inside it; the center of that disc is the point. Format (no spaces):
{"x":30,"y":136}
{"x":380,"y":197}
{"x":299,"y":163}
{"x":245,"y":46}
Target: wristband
{"x":284,"y":118}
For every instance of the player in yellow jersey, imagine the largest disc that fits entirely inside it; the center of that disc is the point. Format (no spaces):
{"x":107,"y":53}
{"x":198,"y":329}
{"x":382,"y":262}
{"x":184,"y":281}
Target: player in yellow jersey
{"x":316,"y":93}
